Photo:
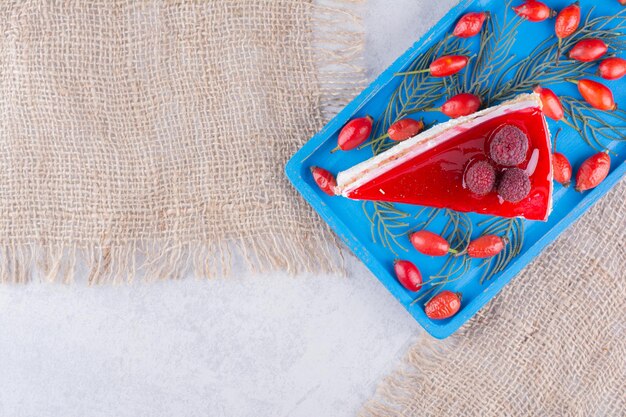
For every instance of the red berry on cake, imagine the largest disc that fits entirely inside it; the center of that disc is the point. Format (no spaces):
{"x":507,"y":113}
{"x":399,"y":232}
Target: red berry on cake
{"x":480,"y":177}
{"x":514,"y":185}
{"x":508,"y":146}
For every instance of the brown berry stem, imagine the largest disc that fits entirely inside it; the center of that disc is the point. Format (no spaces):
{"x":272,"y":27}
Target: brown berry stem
{"x":335,"y":149}
{"x":558,"y":53}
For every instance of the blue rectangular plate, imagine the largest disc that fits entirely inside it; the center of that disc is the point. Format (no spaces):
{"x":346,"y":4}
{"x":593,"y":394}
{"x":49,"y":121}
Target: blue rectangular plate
{"x":348,"y":220}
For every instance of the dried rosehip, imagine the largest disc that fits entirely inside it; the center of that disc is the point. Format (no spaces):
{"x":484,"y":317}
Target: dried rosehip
{"x":354,"y":133}
{"x":612,"y":68}
{"x":408,"y":275}
{"x":404,"y":129}
{"x":324,"y":180}
{"x":430,"y":243}
{"x":562,"y":169}
{"x":566,"y":23}
{"x":462,"y":104}
{"x":593,"y":171}
{"x":486,"y":246}
{"x":535,"y":11}
{"x":596,"y":94}
{"x":443,"y":305}
{"x":551,"y":105}
{"x":470,"y":24}
{"x":588,"y":50}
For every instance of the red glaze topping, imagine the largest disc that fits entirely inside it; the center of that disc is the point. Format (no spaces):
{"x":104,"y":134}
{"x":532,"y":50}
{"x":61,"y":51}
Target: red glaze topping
{"x":435,"y":177}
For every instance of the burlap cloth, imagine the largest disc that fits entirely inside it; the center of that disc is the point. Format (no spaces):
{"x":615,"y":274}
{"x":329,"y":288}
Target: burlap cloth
{"x":149,"y":137}
{"x":553,"y":343}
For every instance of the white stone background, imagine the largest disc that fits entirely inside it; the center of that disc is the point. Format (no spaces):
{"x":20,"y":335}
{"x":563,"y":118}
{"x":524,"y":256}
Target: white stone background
{"x":309,"y":346}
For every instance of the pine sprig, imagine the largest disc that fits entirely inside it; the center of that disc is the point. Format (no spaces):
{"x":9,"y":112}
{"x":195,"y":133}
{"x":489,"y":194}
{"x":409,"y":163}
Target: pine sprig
{"x":387,"y":224}
{"x":494,"y":53}
{"x":458,"y":231}
{"x":539,"y":66}
{"x":455,"y":267}
{"x":416,"y":91}
{"x":513,"y":231}
{"x":598,"y":128}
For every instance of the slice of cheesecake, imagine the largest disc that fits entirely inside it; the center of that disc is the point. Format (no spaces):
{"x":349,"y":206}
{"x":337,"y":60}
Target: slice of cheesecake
{"x":434,"y":167}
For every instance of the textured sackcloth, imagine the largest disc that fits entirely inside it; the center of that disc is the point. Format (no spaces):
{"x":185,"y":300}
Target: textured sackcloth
{"x":553,"y":343}
{"x":149,"y":137}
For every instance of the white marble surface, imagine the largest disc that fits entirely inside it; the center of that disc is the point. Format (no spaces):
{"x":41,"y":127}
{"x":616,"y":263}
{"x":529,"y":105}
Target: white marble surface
{"x":247,"y":346}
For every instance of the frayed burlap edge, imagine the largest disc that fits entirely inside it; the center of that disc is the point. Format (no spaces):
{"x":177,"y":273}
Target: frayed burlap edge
{"x":152,"y":261}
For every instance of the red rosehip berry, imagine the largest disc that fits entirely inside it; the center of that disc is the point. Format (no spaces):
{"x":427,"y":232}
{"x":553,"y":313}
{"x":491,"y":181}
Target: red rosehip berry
{"x":354,"y":133}
{"x":612,"y":68}
{"x":324,"y":180}
{"x":567,"y":21}
{"x":448,"y":65}
{"x":443,"y":66}
{"x":550,"y":103}
{"x":462,"y":104}
{"x":408,"y":275}
{"x":404,"y":129}
{"x":430,"y":243}
{"x":596,"y":94}
{"x":588,"y":50}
